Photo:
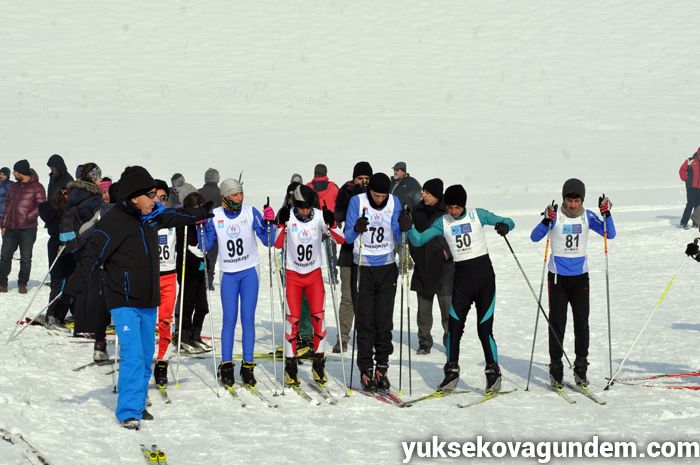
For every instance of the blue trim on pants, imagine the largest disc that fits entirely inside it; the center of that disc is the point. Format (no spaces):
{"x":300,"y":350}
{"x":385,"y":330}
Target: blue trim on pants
{"x":136,"y":331}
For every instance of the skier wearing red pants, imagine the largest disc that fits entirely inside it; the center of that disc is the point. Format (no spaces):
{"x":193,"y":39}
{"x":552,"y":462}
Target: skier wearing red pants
{"x":307,"y":227}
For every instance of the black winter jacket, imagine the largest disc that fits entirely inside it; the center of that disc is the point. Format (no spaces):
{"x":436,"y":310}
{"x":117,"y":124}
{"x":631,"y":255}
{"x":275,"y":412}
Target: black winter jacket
{"x":407,"y":189}
{"x":433,"y":273}
{"x":57,"y":181}
{"x":346,"y":192}
{"x":211,"y":193}
{"x":126,"y":244}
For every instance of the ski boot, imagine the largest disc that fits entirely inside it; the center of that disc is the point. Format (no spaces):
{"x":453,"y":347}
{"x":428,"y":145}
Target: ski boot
{"x":247,"y":374}
{"x":336,"y":348}
{"x":160,"y":374}
{"x":146,"y":415}
{"x":580,"y":370}
{"x":367,"y":381}
{"x":53,"y":323}
{"x":186,"y":344}
{"x":226,"y":373}
{"x":198,"y":342}
{"x":380,"y":376}
{"x":556,"y":374}
{"x":493,"y":377}
{"x":318,"y":369}
{"x":451,"y":370}
{"x":100,"y":354}
{"x":291,"y":372}
{"x":131,"y":423}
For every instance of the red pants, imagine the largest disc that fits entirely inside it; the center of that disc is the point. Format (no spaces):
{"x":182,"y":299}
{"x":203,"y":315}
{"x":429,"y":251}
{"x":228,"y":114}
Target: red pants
{"x":168,"y":293}
{"x":312,"y":284}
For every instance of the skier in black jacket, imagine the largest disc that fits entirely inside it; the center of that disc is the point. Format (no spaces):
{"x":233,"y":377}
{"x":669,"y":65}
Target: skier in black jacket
{"x":125,"y":242}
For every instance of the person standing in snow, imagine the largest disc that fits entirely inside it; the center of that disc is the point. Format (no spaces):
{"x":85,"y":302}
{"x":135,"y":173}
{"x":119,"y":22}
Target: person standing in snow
{"x":474,"y":279}
{"x":568,"y":281}
{"x":348,"y":285}
{"x":59,"y":176}
{"x":434,"y":268}
{"x":234,"y":226}
{"x":125,"y":243}
{"x":180,"y":190}
{"x":327,"y":192}
{"x":373,"y":222}
{"x":5,"y":184}
{"x":211,"y":193}
{"x":405,"y":187}
{"x":19,"y":224}
{"x":690,"y":173}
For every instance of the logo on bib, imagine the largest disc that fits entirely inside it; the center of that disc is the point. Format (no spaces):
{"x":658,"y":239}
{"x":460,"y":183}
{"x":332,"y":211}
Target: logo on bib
{"x":571,"y":229}
{"x":233,"y":231}
{"x":220,"y":224}
{"x":376,"y":219}
{"x":304,"y":236}
{"x":162,"y":240}
{"x":460,"y":229}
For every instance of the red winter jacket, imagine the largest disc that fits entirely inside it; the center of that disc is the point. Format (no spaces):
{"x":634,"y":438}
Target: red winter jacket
{"x":327,"y":191}
{"x":22,"y":204}
{"x":690,"y":171}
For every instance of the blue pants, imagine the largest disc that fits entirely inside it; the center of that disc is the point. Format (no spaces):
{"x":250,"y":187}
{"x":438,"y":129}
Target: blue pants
{"x":136,"y":331}
{"x":244,"y":285}
{"x":13,"y":238}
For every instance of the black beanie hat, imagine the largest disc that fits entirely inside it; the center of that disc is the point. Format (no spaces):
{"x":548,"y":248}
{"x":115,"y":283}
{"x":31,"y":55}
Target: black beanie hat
{"x":379,"y":183}
{"x":434,"y":187}
{"x":6,"y":170}
{"x":362,"y":168}
{"x":22,"y":167}
{"x":303,"y":196}
{"x":456,"y":195}
{"x":574,"y":186}
{"x":162,"y":185}
{"x":135,"y":181}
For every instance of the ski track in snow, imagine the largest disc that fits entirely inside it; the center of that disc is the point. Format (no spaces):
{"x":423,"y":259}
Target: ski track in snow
{"x":508,"y":101}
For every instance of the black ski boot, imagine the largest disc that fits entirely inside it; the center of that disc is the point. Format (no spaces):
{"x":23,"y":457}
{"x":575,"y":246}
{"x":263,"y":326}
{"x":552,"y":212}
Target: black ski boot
{"x":381,"y":378}
{"x":367,"y":381}
{"x":247,"y":374}
{"x":146,"y":415}
{"x":131,"y":423}
{"x":226,"y":373}
{"x":198,"y":342}
{"x":318,"y":369}
{"x":580,"y":371}
{"x":160,"y":374}
{"x":451,"y":370}
{"x":556,"y":374}
{"x":291,"y":372}
{"x":493,"y":377}
{"x":100,"y":354}
{"x":186,"y":344}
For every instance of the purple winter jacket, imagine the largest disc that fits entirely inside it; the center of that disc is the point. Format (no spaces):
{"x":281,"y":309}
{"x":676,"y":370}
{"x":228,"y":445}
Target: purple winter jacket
{"x":22,"y":204}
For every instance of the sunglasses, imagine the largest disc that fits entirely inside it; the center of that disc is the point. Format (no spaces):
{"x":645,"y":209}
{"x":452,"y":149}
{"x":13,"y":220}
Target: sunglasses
{"x":163,"y":198}
{"x":151,"y":195}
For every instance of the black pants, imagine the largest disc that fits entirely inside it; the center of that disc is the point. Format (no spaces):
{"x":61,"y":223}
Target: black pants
{"x":195,"y":306}
{"x":482,"y":293}
{"x":693,"y":200}
{"x":90,"y":307}
{"x":568,"y":290}
{"x":424,"y":317}
{"x":375,"y":314}
{"x":212,"y":255}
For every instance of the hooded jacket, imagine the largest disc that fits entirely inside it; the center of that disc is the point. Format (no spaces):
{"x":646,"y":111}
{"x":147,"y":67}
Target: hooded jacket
{"x":126,"y":245}
{"x":327,"y":191}
{"x":57,"y":181}
{"x":4,"y":188}
{"x":690,"y":171}
{"x":22,"y":204}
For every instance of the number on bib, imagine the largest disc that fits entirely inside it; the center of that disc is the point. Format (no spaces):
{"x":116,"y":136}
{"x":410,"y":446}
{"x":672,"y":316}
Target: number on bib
{"x":235,"y":248}
{"x":163,"y":252}
{"x":380,"y":234}
{"x":463,"y":240}
{"x":304,"y":252}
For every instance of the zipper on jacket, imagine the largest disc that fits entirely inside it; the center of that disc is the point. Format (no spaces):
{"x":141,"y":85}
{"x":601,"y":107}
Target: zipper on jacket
{"x":126,"y":286}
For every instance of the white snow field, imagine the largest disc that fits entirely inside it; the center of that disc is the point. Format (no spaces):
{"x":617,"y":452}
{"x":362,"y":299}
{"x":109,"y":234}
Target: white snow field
{"x":508,"y":98}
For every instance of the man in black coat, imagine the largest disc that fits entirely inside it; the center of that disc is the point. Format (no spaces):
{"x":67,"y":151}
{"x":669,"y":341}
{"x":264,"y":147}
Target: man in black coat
{"x":58,"y":177}
{"x":125,"y":243}
{"x":211,"y":193}
{"x":434,"y":270}
{"x":405,"y":187}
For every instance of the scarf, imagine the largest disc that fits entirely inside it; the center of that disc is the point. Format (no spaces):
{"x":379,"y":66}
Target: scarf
{"x":573,"y":214}
{"x":230,"y":205}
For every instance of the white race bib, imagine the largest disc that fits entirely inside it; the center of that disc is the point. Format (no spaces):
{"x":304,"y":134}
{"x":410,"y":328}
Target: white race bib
{"x":465,"y":237}
{"x":238,"y":250}
{"x":304,"y":243}
{"x":166,"y":249}
{"x":379,"y":238}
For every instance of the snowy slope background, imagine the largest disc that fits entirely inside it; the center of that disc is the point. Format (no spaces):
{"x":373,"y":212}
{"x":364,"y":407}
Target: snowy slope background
{"x":508,"y":100}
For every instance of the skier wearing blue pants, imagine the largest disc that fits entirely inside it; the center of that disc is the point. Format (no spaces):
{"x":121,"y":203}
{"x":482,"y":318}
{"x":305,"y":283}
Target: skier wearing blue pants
{"x":125,"y":243}
{"x":234,"y":227}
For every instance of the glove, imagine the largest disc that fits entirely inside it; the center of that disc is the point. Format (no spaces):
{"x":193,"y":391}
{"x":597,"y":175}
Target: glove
{"x":692,"y":249}
{"x":283,"y":215}
{"x":502,"y":228}
{"x":361,"y":225}
{"x":550,"y":214}
{"x":405,"y":221}
{"x":328,"y":217}
{"x":605,"y":205}
{"x":268,"y":214}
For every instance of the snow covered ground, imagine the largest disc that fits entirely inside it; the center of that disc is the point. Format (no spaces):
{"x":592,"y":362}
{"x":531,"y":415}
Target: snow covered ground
{"x":508,"y":100}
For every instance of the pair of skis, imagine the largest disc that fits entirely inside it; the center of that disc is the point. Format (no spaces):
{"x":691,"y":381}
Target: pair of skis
{"x":251,"y":389}
{"x":649,"y":381}
{"x":585,"y":390}
{"x":154,"y":454}
{"x":30,"y":453}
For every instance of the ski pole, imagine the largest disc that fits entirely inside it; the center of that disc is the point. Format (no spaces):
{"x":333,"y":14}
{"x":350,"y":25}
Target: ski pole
{"x":211,"y":318}
{"x":116,"y":362}
{"x":408,"y":311}
{"x":11,"y":338}
{"x":279,"y":290}
{"x":607,"y":291}
{"x":285,"y":304}
{"x":537,"y":311}
{"x":539,"y":305}
{"x":612,"y":378}
{"x":182,"y":301}
{"x":403,"y":240}
{"x":357,"y":297}
{"x":272,"y":303}
{"x":331,"y":281}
